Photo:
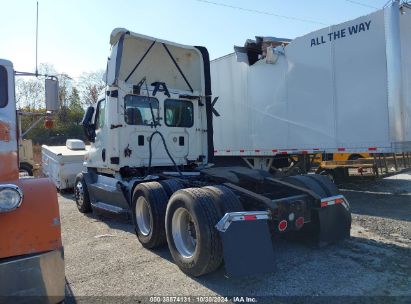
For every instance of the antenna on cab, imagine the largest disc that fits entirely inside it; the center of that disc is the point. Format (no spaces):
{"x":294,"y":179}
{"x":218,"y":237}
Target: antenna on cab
{"x":37,"y":36}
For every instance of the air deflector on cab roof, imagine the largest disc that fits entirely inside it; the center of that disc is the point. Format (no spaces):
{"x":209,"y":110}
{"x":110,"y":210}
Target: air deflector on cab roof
{"x":135,"y":56}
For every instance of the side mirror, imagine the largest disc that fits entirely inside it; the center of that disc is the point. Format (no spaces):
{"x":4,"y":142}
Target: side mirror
{"x":52,"y":94}
{"x":89,"y":128}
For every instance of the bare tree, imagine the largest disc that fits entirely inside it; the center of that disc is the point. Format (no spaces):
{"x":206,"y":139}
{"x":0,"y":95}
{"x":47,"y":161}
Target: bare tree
{"x":65,"y":87}
{"x":29,"y":93}
{"x":47,"y":69}
{"x":91,"y":85}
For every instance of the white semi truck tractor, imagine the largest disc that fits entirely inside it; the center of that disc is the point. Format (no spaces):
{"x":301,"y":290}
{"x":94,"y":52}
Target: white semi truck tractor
{"x":151,"y":160}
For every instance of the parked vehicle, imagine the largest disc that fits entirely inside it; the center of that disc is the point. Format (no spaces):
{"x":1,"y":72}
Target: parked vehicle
{"x":342,"y":89}
{"x":31,"y":252}
{"x":151,"y":159}
{"x":27,"y":165}
{"x":63,"y":163}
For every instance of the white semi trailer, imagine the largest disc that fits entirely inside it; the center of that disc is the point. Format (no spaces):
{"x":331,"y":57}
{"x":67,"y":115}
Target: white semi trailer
{"x":342,"y":89}
{"x":150,"y":158}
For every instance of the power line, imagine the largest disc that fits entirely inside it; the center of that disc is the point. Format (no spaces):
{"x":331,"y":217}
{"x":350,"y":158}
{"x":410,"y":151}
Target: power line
{"x":261,"y":12}
{"x":362,"y":4}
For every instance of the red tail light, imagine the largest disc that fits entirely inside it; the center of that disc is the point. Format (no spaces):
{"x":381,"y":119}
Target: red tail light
{"x":282,"y":225}
{"x":299,"y":222}
{"x":250,"y":217}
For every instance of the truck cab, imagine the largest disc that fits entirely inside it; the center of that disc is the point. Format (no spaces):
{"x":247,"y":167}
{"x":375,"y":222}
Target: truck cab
{"x":31,"y":251}
{"x":149,"y":120}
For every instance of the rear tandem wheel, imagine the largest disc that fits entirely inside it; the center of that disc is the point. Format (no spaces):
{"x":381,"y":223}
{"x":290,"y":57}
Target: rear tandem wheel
{"x":171,"y":186}
{"x":149,"y":205}
{"x":225,"y":200}
{"x":192,"y":238}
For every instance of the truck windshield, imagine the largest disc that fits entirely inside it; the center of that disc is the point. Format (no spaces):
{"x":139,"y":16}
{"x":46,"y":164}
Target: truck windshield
{"x":178,"y":113}
{"x":3,"y":87}
{"x":137,"y":109}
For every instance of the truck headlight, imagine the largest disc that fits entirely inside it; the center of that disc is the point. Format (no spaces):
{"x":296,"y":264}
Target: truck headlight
{"x":10,"y":197}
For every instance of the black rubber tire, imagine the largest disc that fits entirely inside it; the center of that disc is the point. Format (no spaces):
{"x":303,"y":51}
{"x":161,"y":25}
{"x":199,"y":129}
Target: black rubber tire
{"x":208,"y":254}
{"x":340,"y":175}
{"x":84,"y":206}
{"x":157,"y":199}
{"x":225,"y":199}
{"x":355,"y":157}
{"x":25,"y":167}
{"x":171,"y":186}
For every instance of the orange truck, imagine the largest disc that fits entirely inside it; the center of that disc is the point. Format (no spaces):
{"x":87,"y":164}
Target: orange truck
{"x":31,"y":251}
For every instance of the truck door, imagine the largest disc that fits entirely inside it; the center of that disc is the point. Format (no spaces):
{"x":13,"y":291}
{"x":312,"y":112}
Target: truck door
{"x":138,"y":116}
{"x":179,"y":118}
{"x":99,"y":150}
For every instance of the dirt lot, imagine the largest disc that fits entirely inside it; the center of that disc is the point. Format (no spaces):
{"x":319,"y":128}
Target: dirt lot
{"x":104,"y":258}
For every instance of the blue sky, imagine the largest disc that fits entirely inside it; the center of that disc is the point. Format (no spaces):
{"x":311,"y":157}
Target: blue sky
{"x":74,"y":35}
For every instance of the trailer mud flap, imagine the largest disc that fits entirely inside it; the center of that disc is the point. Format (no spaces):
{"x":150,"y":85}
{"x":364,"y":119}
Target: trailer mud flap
{"x":333,"y":220}
{"x":247,"y":243}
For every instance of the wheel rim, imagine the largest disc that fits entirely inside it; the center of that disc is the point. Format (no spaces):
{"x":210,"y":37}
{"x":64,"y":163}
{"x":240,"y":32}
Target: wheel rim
{"x":79,"y":193}
{"x":143,"y":216}
{"x":184,"y":233}
{"x":24,"y":173}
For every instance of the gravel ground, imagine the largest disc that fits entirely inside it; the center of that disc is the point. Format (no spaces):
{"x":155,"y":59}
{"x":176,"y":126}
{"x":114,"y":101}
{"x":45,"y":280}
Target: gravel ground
{"x":104,"y":258}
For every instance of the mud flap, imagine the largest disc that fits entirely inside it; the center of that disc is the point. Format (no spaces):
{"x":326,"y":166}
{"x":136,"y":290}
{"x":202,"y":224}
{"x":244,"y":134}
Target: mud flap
{"x":247,"y":244}
{"x":331,"y":222}
{"x":334,"y":224}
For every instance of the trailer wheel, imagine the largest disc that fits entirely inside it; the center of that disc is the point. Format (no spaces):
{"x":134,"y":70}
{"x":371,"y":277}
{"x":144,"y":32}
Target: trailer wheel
{"x":355,"y":157}
{"x":26,"y":169}
{"x":193,"y":240}
{"x":171,"y":186}
{"x":81,"y":194}
{"x":225,"y":199}
{"x":148,"y":208}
